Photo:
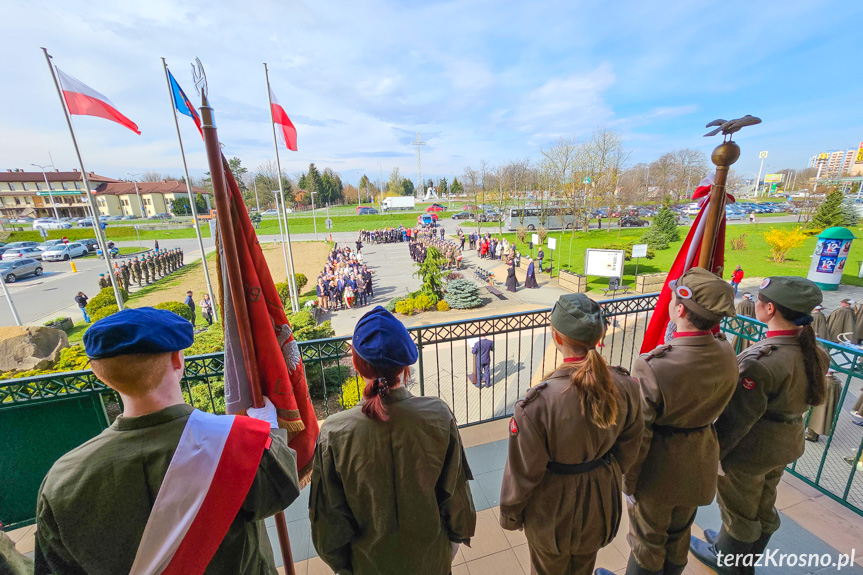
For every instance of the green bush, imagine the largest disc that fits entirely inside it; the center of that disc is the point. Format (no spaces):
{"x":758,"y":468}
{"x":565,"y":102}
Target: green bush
{"x":210,"y":341}
{"x":655,"y":239}
{"x":442,"y":305}
{"x":352,"y":391}
{"x":391,"y":305}
{"x":284,"y":292}
{"x":463,"y":294}
{"x":406,"y":306}
{"x":423,"y":302}
{"x":335,"y":376}
{"x":103,"y":312}
{"x":178,"y":308}
{"x":301,"y":280}
{"x":201,"y":397}
{"x":103,"y":298}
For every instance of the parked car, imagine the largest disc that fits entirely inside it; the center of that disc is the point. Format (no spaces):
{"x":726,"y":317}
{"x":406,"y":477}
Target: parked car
{"x":23,"y":220}
{"x":160,"y":216}
{"x":366,"y":211}
{"x":270,"y":212}
{"x":64,"y":252}
{"x":48,"y":244}
{"x":14,"y":245}
{"x":691,"y":209}
{"x":20,"y":253}
{"x":463,"y":216}
{"x":14,"y":270}
{"x":731,"y":214}
{"x":470,"y":207}
{"x":90,"y":243}
{"x":435,"y":208}
{"x":85,"y":223}
{"x":50,"y":224}
{"x":633,"y":222}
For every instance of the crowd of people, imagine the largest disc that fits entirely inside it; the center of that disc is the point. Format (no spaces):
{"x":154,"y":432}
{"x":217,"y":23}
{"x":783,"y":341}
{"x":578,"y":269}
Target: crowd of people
{"x":150,"y":267}
{"x":345,"y":281}
{"x":385,"y":235}
{"x":390,"y":488}
{"x":421,"y":240}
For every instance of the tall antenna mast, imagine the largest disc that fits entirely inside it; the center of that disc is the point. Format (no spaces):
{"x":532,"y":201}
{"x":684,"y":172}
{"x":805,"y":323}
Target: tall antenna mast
{"x":419,"y":144}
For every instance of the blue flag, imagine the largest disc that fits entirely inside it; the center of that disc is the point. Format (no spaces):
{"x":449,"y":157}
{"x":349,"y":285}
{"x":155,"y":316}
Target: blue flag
{"x":182,"y":103}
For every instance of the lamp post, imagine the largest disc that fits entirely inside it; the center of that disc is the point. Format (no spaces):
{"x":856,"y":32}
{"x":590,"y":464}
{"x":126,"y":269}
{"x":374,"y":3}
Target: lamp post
{"x":50,"y":192}
{"x":314,"y":220}
{"x":137,"y":193}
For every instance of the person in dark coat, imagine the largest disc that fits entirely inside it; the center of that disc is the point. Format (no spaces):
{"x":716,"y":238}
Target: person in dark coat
{"x":190,"y":301}
{"x":482,"y":351}
{"x":842,"y":321}
{"x":819,"y":322}
{"x":511,"y":280}
{"x":530,"y":280}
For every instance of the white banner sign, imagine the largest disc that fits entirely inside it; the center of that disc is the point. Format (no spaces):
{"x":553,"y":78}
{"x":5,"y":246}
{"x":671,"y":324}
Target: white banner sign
{"x":639,"y":251}
{"x":604,"y":263}
{"x":534,"y":238}
{"x":552,"y":244}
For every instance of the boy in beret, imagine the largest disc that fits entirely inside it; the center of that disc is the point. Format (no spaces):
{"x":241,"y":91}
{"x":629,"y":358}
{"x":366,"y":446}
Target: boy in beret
{"x":685,"y":385}
{"x":129,"y":496}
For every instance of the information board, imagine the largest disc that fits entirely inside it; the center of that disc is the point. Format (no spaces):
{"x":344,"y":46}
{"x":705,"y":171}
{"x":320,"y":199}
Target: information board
{"x":604,"y":263}
{"x":639,"y":251}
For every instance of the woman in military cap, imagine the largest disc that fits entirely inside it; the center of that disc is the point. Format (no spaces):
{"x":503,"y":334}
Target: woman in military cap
{"x":390,"y":490}
{"x":571,"y":439}
{"x":761,"y":430}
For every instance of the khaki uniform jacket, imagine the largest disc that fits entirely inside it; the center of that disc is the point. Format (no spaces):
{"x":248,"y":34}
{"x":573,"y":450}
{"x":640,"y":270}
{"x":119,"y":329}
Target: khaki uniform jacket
{"x":772,"y":386}
{"x":685,"y":384}
{"x":568,"y":514}
{"x":841,"y":320}
{"x":95,"y":501}
{"x":744,"y":308}
{"x":390,"y":497}
{"x":819,"y":324}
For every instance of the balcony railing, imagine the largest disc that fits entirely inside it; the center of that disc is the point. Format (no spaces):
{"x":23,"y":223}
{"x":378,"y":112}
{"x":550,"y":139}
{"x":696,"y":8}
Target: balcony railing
{"x":523,"y":354}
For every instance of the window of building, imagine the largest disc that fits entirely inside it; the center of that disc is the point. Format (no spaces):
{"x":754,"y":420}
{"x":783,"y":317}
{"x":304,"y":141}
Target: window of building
{"x":17,"y":201}
{"x":12,"y":186}
{"x":38,"y":186}
{"x":25,"y":186}
{"x":63,"y":185}
{"x":77,"y":185}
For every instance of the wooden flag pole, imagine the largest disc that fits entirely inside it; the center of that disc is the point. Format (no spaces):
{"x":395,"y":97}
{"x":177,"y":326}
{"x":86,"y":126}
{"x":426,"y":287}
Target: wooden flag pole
{"x":226,"y":217}
{"x":723,"y":156}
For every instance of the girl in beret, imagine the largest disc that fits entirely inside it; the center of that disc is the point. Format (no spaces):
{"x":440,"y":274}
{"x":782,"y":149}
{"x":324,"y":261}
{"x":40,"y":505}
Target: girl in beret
{"x":390,"y":490}
{"x":571,"y":440}
{"x":761,"y":430}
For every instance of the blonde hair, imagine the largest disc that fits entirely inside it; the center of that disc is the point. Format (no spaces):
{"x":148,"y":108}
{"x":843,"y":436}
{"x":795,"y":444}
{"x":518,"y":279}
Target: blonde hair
{"x":591,"y":377}
{"x":134,"y":375}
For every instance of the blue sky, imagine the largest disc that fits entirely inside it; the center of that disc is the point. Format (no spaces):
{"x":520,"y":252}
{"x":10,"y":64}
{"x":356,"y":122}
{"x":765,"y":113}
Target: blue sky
{"x":480,"y":80}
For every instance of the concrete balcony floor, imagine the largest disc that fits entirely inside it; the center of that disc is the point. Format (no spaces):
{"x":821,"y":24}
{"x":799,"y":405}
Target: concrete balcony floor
{"x":811,"y":523}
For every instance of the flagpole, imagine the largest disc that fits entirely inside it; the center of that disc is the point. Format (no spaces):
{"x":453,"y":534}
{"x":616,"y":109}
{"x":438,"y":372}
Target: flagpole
{"x":292,"y":278}
{"x":226,"y":219}
{"x":97,"y":227}
{"x":280,"y":215}
{"x":723,"y":156}
{"x":15,"y":315}
{"x":191,"y":198}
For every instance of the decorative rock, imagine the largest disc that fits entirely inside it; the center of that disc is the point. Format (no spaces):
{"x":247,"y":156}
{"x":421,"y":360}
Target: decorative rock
{"x":29,"y":347}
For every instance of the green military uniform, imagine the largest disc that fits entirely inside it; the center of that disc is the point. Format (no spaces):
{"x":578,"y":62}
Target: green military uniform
{"x":567,"y":518}
{"x":151,"y":265}
{"x":181,"y":257}
{"x":124,"y":271}
{"x":158,"y":262}
{"x":95,"y":501}
{"x":136,"y":270}
{"x":685,"y":386}
{"x":145,"y":269}
{"x":819,"y":323}
{"x":103,"y":281}
{"x":745,"y":308}
{"x":761,"y":430}
{"x":389,"y":498}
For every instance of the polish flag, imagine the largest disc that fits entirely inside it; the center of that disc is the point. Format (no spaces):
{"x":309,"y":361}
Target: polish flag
{"x":280,"y":117}
{"x":82,"y":100}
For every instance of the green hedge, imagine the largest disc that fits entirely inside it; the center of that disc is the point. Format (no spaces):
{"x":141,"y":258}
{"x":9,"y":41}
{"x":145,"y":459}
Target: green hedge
{"x":103,"y":298}
{"x":178,"y":308}
{"x":104,"y":311}
{"x":335,"y":376}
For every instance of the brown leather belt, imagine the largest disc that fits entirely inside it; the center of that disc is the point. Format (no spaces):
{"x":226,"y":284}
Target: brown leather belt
{"x":576,"y":468}
{"x":668,"y":430}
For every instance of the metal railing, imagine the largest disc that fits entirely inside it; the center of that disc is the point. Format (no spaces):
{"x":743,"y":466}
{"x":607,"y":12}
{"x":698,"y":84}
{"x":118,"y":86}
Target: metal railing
{"x":523,"y":353}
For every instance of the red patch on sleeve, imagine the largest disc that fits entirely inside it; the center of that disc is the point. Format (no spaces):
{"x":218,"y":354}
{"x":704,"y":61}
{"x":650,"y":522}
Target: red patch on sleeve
{"x":513,"y":426}
{"x":748,"y":383}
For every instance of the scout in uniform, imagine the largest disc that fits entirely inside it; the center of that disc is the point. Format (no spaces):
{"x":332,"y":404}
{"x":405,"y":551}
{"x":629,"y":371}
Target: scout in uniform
{"x":819,"y":322}
{"x":685,"y":385}
{"x":745,"y":308}
{"x":117,"y":503}
{"x":136,"y":270}
{"x":571,"y":439}
{"x":390,"y":492}
{"x":761,"y":429}
{"x":842,"y":321}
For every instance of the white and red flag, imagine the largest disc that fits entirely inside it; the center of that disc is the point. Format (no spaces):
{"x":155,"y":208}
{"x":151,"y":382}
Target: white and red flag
{"x":280,"y":117}
{"x":82,"y":100}
{"x":686,"y":257}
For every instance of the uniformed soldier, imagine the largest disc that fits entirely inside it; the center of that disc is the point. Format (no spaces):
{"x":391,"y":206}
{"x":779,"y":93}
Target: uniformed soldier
{"x":390,"y":490}
{"x":109,"y":503}
{"x":685,"y":385}
{"x":103,"y":281}
{"x":761,"y":429}
{"x":145,"y":269}
{"x":151,"y":265}
{"x":181,"y":258}
{"x":571,"y":439}
{"x":124,"y":272}
{"x":745,"y":308}
{"x":842,"y":321}
{"x":158,"y":263}
{"x":136,"y":270}
{"x":819,"y":322}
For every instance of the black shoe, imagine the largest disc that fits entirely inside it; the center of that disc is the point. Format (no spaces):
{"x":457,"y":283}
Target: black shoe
{"x":672,"y":569}
{"x":633,"y":568}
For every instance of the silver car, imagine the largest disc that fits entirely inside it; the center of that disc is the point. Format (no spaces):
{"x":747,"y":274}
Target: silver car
{"x":20,"y":253}
{"x":15,"y":270}
{"x":64,"y":252}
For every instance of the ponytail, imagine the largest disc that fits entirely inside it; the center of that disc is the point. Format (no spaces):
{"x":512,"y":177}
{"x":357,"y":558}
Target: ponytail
{"x":378,"y":386}
{"x":591,"y":377}
{"x":815,"y":363}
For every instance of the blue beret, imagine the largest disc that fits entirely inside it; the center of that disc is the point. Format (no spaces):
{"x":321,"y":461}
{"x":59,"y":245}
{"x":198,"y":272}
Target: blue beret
{"x":383,"y":341}
{"x":140,"y":330}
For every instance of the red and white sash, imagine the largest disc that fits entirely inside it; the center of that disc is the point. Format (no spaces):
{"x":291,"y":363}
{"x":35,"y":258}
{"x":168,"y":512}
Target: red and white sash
{"x":206,"y":483}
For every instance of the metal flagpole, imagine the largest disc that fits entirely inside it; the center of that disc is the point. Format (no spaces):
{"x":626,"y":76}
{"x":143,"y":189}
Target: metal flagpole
{"x":191,"y":197}
{"x":100,"y":236}
{"x":9,"y":299}
{"x":284,"y":248}
{"x":292,"y":278}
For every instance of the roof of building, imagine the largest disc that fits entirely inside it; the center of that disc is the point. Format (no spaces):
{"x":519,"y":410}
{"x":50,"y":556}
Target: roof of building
{"x":115,"y":188}
{"x":53,"y":176}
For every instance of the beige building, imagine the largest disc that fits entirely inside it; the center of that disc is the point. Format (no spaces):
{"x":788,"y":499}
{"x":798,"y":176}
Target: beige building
{"x":130,"y":198}
{"x":835,"y":163}
{"x":25,"y":194}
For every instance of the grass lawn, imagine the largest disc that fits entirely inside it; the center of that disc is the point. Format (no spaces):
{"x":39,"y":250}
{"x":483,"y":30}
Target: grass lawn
{"x":755,"y":259}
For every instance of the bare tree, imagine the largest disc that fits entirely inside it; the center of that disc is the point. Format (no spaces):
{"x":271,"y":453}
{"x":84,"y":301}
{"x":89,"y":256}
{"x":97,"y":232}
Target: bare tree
{"x":151,"y":176}
{"x":559,"y":164}
{"x":604,"y":157}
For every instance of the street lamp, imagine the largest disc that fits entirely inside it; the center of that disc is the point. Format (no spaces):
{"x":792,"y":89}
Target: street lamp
{"x":137,"y":193}
{"x":314,"y":220}
{"x":50,"y":192}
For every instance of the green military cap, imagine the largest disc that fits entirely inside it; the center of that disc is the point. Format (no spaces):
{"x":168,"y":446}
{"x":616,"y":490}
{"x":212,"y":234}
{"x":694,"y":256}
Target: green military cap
{"x":577,"y":317}
{"x":704,"y":294}
{"x":796,"y":293}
